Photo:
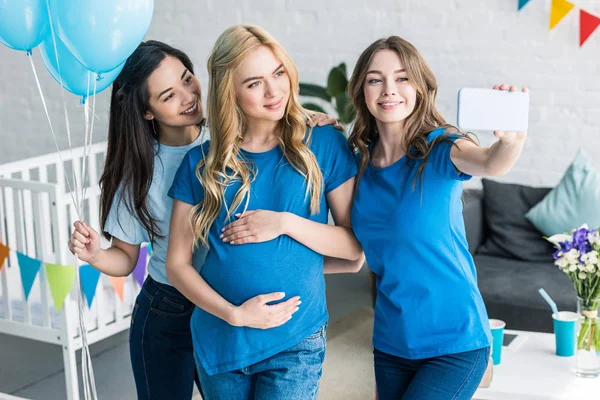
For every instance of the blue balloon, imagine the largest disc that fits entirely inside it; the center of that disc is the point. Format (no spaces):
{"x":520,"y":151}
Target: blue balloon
{"x":102,"y":33}
{"x":74,"y":74}
{"x":23,"y":23}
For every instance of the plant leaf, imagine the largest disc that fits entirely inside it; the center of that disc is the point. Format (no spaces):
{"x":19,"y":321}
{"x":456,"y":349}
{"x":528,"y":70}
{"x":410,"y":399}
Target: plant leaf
{"x":310,"y":90}
{"x":344,"y":108}
{"x":337,"y":82}
{"x":342,"y":67}
{"x":313,"y":107}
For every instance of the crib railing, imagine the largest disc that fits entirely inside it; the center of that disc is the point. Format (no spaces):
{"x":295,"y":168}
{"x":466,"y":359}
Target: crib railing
{"x":30,"y":213}
{"x":64,"y":169}
{"x":36,"y":215}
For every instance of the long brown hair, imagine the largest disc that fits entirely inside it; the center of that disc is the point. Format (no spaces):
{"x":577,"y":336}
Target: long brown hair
{"x":129,"y":164}
{"x":423,"y":120}
{"x":223,"y":165}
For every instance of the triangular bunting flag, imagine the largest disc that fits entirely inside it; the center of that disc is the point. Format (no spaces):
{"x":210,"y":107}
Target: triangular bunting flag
{"x":587,"y":25}
{"x":89,"y":277}
{"x":60,"y":278}
{"x":3,"y":254}
{"x":118,"y":282}
{"x":140,"y":268}
{"x":523,"y":3}
{"x":560,"y":8}
{"x":29,"y":269}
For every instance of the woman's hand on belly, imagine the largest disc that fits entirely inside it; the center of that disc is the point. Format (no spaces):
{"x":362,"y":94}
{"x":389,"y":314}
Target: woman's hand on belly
{"x":256,"y":313}
{"x":254,"y":226}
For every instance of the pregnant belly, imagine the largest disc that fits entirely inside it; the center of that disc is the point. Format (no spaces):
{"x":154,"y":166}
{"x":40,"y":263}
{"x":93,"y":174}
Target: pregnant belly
{"x":240,"y":272}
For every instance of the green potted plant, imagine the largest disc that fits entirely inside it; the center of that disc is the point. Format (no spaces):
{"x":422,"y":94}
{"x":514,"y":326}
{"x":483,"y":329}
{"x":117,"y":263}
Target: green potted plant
{"x":334,"y":94}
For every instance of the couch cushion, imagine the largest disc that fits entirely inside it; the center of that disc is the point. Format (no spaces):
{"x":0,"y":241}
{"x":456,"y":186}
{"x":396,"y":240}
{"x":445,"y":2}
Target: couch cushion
{"x":573,"y":202}
{"x":509,"y":233}
{"x":510,"y":291}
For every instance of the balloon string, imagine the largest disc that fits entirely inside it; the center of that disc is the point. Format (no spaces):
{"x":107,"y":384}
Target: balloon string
{"x":89,"y":384}
{"x":66,"y":113}
{"x":37,"y":81}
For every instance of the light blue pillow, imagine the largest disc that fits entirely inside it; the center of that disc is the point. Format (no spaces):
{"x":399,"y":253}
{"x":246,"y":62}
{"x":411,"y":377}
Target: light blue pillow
{"x":573,"y":202}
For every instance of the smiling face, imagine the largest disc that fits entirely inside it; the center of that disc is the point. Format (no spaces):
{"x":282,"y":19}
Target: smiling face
{"x":389,"y":95}
{"x":262,"y":86}
{"x":175,"y":95}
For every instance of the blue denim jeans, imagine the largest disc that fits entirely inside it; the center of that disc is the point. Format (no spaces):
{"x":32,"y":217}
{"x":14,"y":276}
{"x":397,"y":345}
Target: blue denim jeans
{"x":449,"y":377}
{"x":292,"y":374}
{"x":160,"y":343}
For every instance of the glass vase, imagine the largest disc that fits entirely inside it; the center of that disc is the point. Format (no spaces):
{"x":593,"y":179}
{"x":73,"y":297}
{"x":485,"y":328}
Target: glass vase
{"x":587,"y":363}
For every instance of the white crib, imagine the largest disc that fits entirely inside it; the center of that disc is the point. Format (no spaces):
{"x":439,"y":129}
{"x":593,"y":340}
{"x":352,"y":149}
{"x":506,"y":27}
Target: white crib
{"x":36,"y":216}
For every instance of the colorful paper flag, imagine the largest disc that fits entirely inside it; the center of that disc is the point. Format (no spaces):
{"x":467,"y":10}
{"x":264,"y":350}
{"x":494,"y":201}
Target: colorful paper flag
{"x":89,"y":277}
{"x":29,"y":268}
{"x":60,"y":279}
{"x":118,"y":283}
{"x":522,"y":3}
{"x":3,"y":254}
{"x":587,"y":25}
{"x":560,"y":8}
{"x":140,"y":268}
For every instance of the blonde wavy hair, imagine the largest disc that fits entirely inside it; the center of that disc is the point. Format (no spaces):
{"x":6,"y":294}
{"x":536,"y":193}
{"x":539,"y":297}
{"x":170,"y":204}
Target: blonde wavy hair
{"x":223,"y":165}
{"x":424,"y":118}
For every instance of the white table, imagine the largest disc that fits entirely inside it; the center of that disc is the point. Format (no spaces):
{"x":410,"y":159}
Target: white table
{"x":531,"y":371}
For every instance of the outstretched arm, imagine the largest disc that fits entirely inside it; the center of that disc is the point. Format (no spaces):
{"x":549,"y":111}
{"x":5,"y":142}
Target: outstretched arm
{"x":495,"y":160}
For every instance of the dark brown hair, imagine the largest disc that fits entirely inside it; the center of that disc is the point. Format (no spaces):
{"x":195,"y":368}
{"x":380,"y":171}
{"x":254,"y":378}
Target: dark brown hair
{"x":423,"y":120}
{"x":129,"y":164}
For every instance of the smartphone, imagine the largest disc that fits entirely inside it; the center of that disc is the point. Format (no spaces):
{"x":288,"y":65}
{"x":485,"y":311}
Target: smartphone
{"x":492,"y":110}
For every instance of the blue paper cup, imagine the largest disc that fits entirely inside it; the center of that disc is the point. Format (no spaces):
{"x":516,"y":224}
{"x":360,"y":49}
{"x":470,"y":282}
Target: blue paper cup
{"x":565,"y":327}
{"x":497,"y":327}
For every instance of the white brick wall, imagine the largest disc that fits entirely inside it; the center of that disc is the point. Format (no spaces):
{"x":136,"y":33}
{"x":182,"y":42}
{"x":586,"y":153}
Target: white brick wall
{"x":466,"y":42}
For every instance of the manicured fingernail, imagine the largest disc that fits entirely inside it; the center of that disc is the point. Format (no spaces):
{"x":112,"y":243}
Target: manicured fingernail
{"x":299,"y":302}
{"x":223,"y":230}
{"x":297,"y":308}
{"x":221,"y":236}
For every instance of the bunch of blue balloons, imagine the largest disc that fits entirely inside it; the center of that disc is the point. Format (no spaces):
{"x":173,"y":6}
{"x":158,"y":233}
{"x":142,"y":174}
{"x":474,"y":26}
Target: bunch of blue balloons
{"x":79,"y":41}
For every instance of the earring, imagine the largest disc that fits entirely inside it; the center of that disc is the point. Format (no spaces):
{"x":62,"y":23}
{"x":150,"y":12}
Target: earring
{"x":154,"y":129}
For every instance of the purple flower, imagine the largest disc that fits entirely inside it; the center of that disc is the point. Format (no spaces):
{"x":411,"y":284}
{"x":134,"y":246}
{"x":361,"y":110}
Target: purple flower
{"x":580,"y":239}
{"x":556,"y":254}
{"x":566,"y":246}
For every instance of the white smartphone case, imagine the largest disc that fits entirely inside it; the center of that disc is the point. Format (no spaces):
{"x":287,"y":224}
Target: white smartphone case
{"x":492,"y":110}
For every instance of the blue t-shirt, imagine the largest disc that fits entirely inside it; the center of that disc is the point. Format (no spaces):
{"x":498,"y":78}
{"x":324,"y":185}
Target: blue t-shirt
{"x":126,"y":226}
{"x":428,"y":303}
{"x":240,"y":272}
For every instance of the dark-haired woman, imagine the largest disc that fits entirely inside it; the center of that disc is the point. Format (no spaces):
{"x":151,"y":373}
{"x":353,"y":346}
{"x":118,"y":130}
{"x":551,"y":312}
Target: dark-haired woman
{"x":155,"y":118}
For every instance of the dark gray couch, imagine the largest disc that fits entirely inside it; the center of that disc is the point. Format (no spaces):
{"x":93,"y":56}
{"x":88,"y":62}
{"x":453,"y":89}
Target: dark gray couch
{"x":510,"y":286}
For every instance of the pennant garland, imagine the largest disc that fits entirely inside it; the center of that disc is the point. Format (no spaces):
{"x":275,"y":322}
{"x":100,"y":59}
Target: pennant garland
{"x":523,"y":3}
{"x":62,"y":277}
{"x":587,"y":25}
{"x":89,"y":277}
{"x":560,"y":9}
{"x":588,"y":22}
{"x":3,"y":254}
{"x":60,"y":280}
{"x":29,"y":269}
{"x":118,"y":283}
{"x":140,"y":268}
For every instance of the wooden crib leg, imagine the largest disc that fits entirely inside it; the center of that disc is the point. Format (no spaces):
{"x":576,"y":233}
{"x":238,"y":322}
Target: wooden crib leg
{"x":72,"y":383}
